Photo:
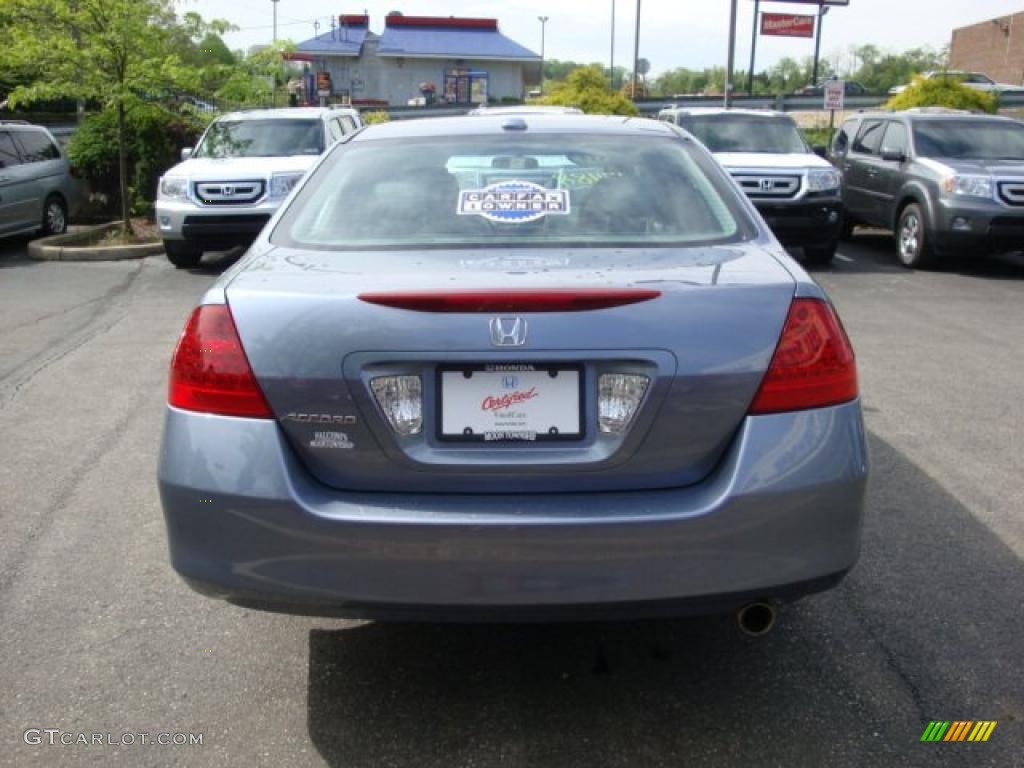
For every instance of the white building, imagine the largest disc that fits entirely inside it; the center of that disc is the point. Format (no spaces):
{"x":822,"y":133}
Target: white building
{"x":467,"y":61}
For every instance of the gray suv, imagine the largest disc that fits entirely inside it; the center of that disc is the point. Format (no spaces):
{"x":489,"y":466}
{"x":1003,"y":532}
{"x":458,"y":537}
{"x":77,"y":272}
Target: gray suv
{"x":37,"y":191}
{"x":244,"y":166}
{"x":945,"y":181}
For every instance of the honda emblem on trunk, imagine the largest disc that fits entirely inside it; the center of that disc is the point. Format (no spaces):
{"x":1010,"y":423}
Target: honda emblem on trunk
{"x":767,"y":185}
{"x":508,"y":331}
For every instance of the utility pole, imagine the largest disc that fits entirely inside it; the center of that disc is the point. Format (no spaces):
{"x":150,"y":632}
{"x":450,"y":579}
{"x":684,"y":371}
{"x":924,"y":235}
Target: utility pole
{"x":275,"y":2}
{"x":611,"y":67}
{"x":732,"y":54}
{"x":543,"y":25}
{"x":753,"y":48}
{"x":636,"y":50}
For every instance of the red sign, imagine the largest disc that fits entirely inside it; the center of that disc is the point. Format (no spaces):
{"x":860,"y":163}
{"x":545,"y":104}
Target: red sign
{"x":787,"y":25}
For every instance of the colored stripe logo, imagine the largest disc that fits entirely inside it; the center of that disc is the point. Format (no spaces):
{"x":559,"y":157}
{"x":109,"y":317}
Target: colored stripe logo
{"x":958,"y":730}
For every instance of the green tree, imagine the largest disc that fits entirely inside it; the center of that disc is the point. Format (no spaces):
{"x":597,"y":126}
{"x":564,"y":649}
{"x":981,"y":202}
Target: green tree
{"x":115,"y":52}
{"x":588,"y":89}
{"x":254,"y":79}
{"x":943,"y":92}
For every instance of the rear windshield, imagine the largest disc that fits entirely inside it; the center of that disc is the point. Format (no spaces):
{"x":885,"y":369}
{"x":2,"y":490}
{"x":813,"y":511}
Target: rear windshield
{"x":531,"y":191}
{"x":969,"y":139}
{"x":746,"y":133}
{"x":262,"y":138}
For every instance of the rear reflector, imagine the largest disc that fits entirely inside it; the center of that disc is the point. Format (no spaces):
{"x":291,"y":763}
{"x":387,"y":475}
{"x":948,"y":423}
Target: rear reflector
{"x":210,"y":372}
{"x":813,"y":365}
{"x":511,"y":301}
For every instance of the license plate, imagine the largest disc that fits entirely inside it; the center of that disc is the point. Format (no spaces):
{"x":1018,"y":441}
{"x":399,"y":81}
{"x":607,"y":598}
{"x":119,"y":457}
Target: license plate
{"x":507,"y":403}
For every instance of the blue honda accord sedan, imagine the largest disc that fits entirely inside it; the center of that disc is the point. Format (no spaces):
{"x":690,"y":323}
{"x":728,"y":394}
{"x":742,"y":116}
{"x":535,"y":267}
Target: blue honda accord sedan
{"x":541,"y":367}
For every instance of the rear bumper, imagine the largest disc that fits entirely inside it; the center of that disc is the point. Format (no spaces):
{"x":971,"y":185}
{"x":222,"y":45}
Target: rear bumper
{"x":780,"y":517}
{"x":816,"y":221}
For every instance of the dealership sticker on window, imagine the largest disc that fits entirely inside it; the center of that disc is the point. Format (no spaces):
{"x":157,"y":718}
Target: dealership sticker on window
{"x":513,"y":202}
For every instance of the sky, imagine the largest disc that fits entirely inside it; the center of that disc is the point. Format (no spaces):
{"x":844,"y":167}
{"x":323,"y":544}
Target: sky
{"x":673,"y":33}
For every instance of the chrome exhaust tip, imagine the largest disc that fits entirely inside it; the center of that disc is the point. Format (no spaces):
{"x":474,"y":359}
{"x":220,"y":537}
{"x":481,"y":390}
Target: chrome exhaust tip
{"x":756,"y":619}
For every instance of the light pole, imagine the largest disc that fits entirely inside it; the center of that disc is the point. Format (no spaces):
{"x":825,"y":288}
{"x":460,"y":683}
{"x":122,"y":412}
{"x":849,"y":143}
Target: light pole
{"x":275,"y":2}
{"x":753,"y":48}
{"x":636,"y":51}
{"x":732,"y":55}
{"x":611,"y":67}
{"x":543,"y":24}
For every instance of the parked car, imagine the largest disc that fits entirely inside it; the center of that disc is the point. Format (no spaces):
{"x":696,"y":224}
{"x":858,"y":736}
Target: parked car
{"x":243,"y":167}
{"x":539,"y":367}
{"x":850,"y":88}
{"x":946,"y":181}
{"x":975,"y":80}
{"x":795,"y":190}
{"x":37,"y":190}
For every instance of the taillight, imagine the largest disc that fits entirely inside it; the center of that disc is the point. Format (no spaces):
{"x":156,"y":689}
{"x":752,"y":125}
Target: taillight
{"x":555,"y":300}
{"x":813,"y":365}
{"x":210,"y":372}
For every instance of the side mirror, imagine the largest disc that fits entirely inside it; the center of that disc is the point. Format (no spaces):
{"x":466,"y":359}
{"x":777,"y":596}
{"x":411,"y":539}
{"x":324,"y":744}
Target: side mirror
{"x":893,"y":155}
{"x":820,"y":150}
{"x":186,"y":153}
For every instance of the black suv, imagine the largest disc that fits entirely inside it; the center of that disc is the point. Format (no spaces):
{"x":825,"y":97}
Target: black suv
{"x":945,"y":181}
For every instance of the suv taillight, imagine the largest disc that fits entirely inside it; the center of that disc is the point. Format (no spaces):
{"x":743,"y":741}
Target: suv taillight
{"x":210,"y":372}
{"x":813,"y":365}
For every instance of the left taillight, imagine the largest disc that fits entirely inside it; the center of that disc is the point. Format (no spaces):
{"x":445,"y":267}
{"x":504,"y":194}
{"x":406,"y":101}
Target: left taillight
{"x":210,"y":372}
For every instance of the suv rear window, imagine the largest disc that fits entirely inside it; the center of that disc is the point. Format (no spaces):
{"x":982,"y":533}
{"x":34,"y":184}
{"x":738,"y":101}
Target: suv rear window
{"x":262,"y":138}
{"x":533,"y":191}
{"x":746,"y":133}
{"x":36,"y":146}
{"x":969,"y":139}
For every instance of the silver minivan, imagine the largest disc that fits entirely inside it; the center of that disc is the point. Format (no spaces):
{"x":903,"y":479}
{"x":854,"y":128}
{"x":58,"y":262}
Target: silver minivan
{"x":37,"y":191}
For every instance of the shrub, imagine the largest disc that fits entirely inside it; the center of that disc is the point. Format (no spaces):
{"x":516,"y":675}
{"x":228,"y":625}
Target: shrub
{"x":948,"y":91}
{"x":376,"y":116}
{"x":587,"y":88}
{"x":154,"y":142}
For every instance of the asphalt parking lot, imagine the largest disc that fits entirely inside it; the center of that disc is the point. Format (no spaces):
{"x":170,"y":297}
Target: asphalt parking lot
{"x":98,"y":635}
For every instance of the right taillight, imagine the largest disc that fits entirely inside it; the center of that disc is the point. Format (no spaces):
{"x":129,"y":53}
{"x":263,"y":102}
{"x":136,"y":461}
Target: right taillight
{"x":210,"y":372}
{"x":813,"y":365}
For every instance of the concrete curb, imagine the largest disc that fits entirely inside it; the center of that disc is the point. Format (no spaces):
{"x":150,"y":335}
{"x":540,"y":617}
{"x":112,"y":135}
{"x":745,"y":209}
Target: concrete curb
{"x":67,"y":247}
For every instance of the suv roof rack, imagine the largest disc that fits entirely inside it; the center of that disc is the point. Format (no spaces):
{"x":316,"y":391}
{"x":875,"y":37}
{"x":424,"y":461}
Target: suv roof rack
{"x":936,"y":111}
{"x":15,"y":122}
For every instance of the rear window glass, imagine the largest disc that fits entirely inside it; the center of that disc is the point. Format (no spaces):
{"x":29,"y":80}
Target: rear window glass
{"x":36,"y":147}
{"x":262,"y":138}
{"x":746,"y":133}
{"x":969,"y":139}
{"x":531,"y":191}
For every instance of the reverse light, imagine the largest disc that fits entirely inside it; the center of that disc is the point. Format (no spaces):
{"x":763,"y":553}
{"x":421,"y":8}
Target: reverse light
{"x":574,"y":300}
{"x":813,"y":365}
{"x":619,"y":396}
{"x":210,"y":372}
{"x":283,"y":183}
{"x":823,"y":179}
{"x":401,"y":399}
{"x":173,"y":187}
{"x":969,"y":185}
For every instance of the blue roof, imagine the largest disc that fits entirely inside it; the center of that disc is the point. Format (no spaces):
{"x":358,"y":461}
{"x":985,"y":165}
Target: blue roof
{"x":347,"y":41}
{"x":439,"y":42}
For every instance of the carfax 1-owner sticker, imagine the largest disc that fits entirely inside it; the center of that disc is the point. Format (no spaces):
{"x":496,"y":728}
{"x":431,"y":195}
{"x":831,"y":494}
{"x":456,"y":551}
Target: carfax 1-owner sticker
{"x":513,"y":202}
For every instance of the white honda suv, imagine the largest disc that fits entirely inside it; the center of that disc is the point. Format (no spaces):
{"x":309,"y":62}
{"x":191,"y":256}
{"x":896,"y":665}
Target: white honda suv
{"x":241,"y":170}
